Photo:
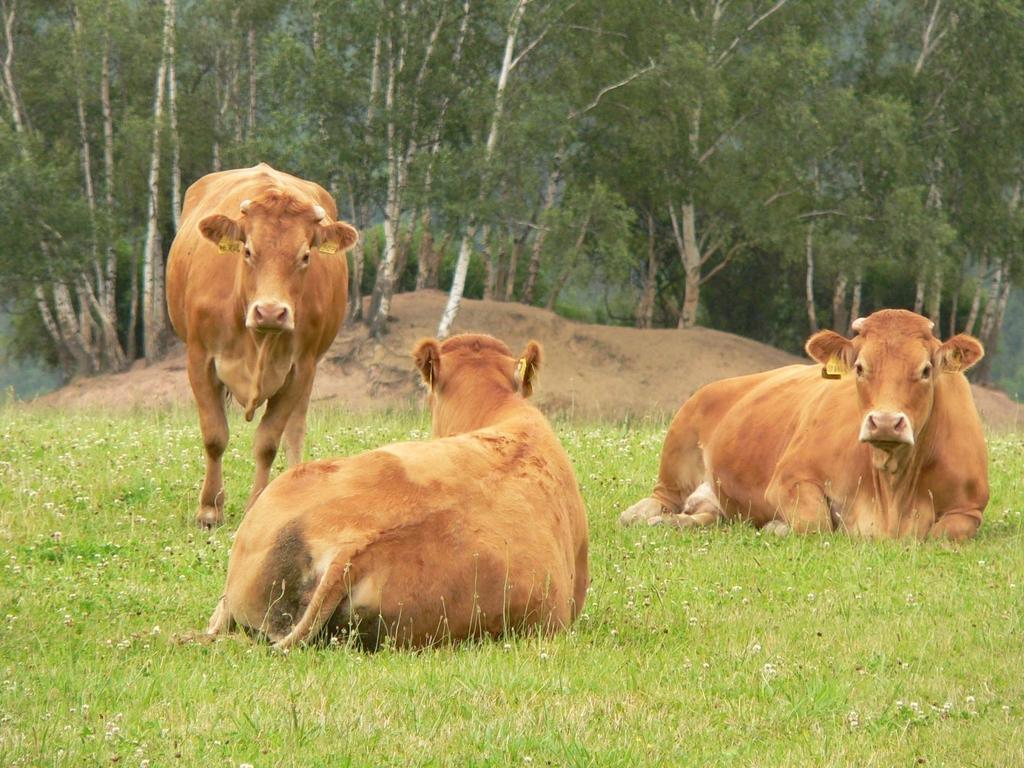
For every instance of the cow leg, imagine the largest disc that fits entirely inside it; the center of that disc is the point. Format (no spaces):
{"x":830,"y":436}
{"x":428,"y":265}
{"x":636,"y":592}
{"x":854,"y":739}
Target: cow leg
{"x":956,"y":526}
{"x":801,"y":507}
{"x":295,"y":429}
{"x":681,"y":470}
{"x":268,"y":433}
{"x":213,"y":424}
{"x":220,"y":620}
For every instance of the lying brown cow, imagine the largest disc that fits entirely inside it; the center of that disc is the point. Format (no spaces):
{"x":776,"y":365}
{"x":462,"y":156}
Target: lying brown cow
{"x":257,"y":281}
{"x":884,"y":441}
{"x":475,"y":533}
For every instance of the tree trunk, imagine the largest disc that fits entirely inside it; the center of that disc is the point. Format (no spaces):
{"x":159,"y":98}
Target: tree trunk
{"x":384,"y":284}
{"x":934,"y":302}
{"x":919,"y":288}
{"x":645,"y":307}
{"x":954,"y":302}
{"x":979,"y":289}
{"x":10,"y":90}
{"x":491,"y":265}
{"x":840,"y":322}
{"x":550,"y":191}
{"x":153,"y":306}
{"x":250,"y":125}
{"x":85,"y":324}
{"x":513,"y":264}
{"x":812,"y":315}
{"x":172,"y":110}
{"x":426,"y":277}
{"x":689,"y":255}
{"x":988,"y":316}
{"x":109,"y":297}
{"x":858,"y":283}
{"x":399,"y":160}
{"x":218,"y":110}
{"x":462,"y":265}
{"x":990,"y":335}
{"x":570,"y":263}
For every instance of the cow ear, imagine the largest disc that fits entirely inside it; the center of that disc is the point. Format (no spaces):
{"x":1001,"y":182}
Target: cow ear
{"x":222,"y":229}
{"x":427,"y":354}
{"x":833,"y":351}
{"x":527,"y":367}
{"x":336,"y":236}
{"x":959,"y":353}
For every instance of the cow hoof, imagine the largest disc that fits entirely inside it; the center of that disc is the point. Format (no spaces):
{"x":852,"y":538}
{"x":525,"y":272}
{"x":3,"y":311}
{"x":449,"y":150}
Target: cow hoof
{"x":778,"y":527}
{"x":220,"y":620}
{"x":644,"y":510}
{"x":703,"y":500}
{"x":209,"y":518}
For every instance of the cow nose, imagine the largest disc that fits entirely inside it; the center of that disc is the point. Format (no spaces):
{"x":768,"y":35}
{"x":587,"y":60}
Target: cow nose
{"x":271,"y":316}
{"x":886,"y":427}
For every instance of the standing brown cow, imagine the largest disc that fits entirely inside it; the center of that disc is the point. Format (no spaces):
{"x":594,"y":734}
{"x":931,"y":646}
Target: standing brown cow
{"x":884,"y":441}
{"x":477,"y":532}
{"x":257,"y":282}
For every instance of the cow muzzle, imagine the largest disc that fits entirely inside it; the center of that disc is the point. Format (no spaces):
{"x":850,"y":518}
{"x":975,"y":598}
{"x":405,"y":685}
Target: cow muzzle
{"x":270,"y":316}
{"x":886,"y":429}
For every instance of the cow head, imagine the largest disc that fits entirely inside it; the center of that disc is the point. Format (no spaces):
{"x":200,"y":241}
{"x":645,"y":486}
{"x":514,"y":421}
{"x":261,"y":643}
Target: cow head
{"x":896,"y":362}
{"x":276,"y":236}
{"x":471,"y":377}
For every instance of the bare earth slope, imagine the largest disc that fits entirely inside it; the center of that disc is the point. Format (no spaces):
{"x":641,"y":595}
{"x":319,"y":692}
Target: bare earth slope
{"x":590,"y":371}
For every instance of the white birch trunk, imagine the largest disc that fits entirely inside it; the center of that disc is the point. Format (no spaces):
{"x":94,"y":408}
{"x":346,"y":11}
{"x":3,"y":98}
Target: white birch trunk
{"x":465,"y":248}
{"x":689,"y":255}
{"x":934,"y":303}
{"x":153,"y":310}
{"x":858,"y":284}
{"x":400,"y":158}
{"x":9,"y":9}
{"x":251,"y":117}
{"x":172,"y":113}
{"x":109,"y":295}
{"x":645,"y":307}
{"x":919,"y":288}
{"x":988,"y":316}
{"x":812,"y":315}
{"x":839,"y":320}
{"x":355,"y":293}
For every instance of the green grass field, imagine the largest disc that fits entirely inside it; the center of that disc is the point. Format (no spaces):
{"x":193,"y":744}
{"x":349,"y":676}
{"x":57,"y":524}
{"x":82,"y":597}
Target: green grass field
{"x":719,"y":647}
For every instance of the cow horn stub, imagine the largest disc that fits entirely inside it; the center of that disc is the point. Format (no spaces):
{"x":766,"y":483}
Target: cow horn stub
{"x":857,"y":325}
{"x":319,"y":213}
{"x":244,"y":207}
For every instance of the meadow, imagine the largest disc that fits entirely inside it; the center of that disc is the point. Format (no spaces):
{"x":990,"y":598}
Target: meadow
{"x":708,"y":647}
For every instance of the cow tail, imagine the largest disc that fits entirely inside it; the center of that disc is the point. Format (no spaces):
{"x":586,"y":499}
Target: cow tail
{"x":333,"y":587}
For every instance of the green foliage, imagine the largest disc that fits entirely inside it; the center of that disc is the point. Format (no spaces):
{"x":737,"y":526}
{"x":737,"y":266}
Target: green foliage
{"x":772,"y":119}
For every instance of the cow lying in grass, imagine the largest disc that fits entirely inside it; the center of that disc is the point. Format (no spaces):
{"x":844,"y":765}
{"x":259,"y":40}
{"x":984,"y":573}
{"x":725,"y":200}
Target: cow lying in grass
{"x":477,"y":532}
{"x":884,"y":441}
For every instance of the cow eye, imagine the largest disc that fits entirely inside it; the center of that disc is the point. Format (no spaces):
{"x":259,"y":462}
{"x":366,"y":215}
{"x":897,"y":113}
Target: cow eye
{"x":859,"y":370}
{"x":926,"y":372}
{"x":305,"y":259}
{"x":248,"y":254}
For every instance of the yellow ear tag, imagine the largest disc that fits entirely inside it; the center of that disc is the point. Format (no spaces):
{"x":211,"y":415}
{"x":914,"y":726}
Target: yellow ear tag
{"x":833,"y":369}
{"x":520,"y":370}
{"x":328,"y":247}
{"x":228,"y":245}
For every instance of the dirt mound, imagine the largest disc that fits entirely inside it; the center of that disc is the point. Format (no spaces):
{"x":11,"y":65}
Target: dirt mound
{"x":590,"y":371}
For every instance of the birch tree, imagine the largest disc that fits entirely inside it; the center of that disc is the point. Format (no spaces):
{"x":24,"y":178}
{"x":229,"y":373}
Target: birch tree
{"x":154,"y":311}
{"x":509,"y":62}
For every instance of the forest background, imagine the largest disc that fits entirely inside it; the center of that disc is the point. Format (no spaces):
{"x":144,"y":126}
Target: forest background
{"x":764,"y":167}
